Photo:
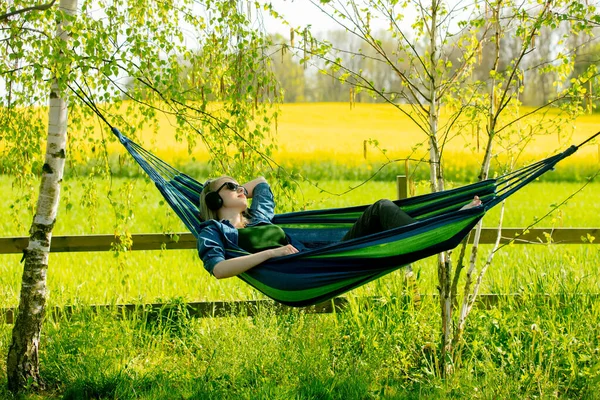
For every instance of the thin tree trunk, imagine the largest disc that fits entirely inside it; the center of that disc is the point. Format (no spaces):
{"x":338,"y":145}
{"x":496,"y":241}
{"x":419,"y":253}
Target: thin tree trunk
{"x":23,"y":355}
{"x":437,"y":184}
{"x":468,"y":298}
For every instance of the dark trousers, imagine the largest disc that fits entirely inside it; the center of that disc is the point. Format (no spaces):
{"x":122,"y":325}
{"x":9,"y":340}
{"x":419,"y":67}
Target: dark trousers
{"x":378,"y":217}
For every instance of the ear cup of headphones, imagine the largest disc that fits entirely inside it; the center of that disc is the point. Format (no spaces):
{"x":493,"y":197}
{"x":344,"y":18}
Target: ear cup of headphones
{"x":213,"y":201}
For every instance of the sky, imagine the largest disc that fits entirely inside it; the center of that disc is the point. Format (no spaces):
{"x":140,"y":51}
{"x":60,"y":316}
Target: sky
{"x":299,"y":13}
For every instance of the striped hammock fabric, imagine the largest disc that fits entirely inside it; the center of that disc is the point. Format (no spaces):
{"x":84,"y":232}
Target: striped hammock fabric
{"x":330,"y":267}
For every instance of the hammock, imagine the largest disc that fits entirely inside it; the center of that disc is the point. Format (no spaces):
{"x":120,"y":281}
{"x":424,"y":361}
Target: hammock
{"x":330,"y":267}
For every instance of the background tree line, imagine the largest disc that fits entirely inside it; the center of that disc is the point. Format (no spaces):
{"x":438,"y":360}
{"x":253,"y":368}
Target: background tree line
{"x":302,"y":84}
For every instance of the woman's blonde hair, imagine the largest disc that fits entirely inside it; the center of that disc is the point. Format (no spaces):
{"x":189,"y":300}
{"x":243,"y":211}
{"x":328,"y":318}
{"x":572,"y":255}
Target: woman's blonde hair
{"x":205,"y":212}
{"x":210,"y":186}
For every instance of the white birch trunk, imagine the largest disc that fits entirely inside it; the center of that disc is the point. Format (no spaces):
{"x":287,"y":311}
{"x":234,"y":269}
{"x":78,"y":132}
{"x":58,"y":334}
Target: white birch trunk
{"x":23,"y":355}
{"x":437,"y":184}
{"x":468,"y":298}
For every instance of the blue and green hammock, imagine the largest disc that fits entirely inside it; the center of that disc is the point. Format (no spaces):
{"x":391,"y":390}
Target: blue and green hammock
{"x":330,"y":267}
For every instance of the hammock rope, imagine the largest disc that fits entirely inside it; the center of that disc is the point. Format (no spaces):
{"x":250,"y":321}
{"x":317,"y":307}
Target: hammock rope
{"x":330,"y":267}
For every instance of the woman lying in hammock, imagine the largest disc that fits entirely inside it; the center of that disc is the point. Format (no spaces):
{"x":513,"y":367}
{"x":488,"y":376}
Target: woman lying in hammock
{"x":230,"y":223}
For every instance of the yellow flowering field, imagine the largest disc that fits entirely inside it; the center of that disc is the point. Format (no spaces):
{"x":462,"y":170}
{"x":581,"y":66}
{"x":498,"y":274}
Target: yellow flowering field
{"x":312,"y":133}
{"x":335,"y":132}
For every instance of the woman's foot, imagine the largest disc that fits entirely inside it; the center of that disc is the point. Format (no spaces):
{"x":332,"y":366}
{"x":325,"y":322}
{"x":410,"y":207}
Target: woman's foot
{"x":476,"y":202}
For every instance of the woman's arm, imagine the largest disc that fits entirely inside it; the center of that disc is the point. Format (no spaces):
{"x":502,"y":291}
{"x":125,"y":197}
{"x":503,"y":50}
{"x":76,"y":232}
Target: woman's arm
{"x":235,"y":266}
{"x":252,"y":184}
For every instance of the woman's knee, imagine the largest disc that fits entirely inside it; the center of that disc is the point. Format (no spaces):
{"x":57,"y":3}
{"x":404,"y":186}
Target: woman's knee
{"x":384,"y":203}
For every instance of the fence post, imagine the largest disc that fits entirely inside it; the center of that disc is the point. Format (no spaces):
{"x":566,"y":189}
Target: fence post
{"x":409,"y":276}
{"x":402,"y":186}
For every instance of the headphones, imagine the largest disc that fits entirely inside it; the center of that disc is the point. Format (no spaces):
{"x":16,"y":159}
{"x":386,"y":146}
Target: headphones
{"x":213,"y":201}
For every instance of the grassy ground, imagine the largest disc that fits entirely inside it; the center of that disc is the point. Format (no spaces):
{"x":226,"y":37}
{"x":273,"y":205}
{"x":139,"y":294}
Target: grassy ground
{"x":385,"y":349}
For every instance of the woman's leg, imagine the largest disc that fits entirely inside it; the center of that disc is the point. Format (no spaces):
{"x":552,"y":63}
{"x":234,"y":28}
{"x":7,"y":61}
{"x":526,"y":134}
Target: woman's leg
{"x":378,"y":217}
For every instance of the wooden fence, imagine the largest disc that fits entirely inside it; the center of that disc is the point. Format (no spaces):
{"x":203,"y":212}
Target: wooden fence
{"x":183,"y":241}
{"x":154,"y":241}
{"x":214,"y":309}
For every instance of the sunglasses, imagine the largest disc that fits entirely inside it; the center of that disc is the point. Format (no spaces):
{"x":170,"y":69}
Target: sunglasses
{"x":234,"y":187}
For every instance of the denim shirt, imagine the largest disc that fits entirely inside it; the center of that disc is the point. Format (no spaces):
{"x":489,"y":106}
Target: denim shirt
{"x":216,"y":237}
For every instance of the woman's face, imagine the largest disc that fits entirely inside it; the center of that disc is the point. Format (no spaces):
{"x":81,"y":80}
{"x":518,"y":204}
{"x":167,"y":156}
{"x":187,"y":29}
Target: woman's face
{"x":232,"y":193}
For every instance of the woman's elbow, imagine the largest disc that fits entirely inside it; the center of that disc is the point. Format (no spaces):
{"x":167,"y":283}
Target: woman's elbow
{"x":221,"y":271}
{"x":219,"y":274}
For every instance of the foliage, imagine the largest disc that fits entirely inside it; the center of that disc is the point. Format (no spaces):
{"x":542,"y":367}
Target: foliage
{"x":200,"y":65}
{"x":85,"y":57}
{"x":214,"y":95}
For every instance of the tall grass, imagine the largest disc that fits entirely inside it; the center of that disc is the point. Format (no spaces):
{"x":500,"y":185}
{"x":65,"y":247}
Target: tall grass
{"x":459,"y":167}
{"x":382,"y":350}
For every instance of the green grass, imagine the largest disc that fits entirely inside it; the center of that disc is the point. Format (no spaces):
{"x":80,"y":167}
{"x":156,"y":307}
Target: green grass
{"x":384,"y":349}
{"x":459,"y":167}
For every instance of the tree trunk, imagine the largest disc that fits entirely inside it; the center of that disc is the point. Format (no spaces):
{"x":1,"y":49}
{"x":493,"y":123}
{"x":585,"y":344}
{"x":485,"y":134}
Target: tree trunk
{"x":437,"y":184}
{"x":23,"y":355}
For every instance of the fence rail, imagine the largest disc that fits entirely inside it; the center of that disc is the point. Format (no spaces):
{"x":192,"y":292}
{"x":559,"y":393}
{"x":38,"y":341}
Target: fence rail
{"x":182,"y":241}
{"x":251,"y":307}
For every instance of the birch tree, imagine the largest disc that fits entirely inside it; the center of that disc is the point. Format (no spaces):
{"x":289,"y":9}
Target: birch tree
{"x":93,"y":56}
{"x":505,"y":126}
{"x":442,"y":44}
{"x":23,"y":355}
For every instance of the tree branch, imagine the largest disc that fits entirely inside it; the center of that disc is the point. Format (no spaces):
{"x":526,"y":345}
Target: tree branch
{"x":42,"y":7}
